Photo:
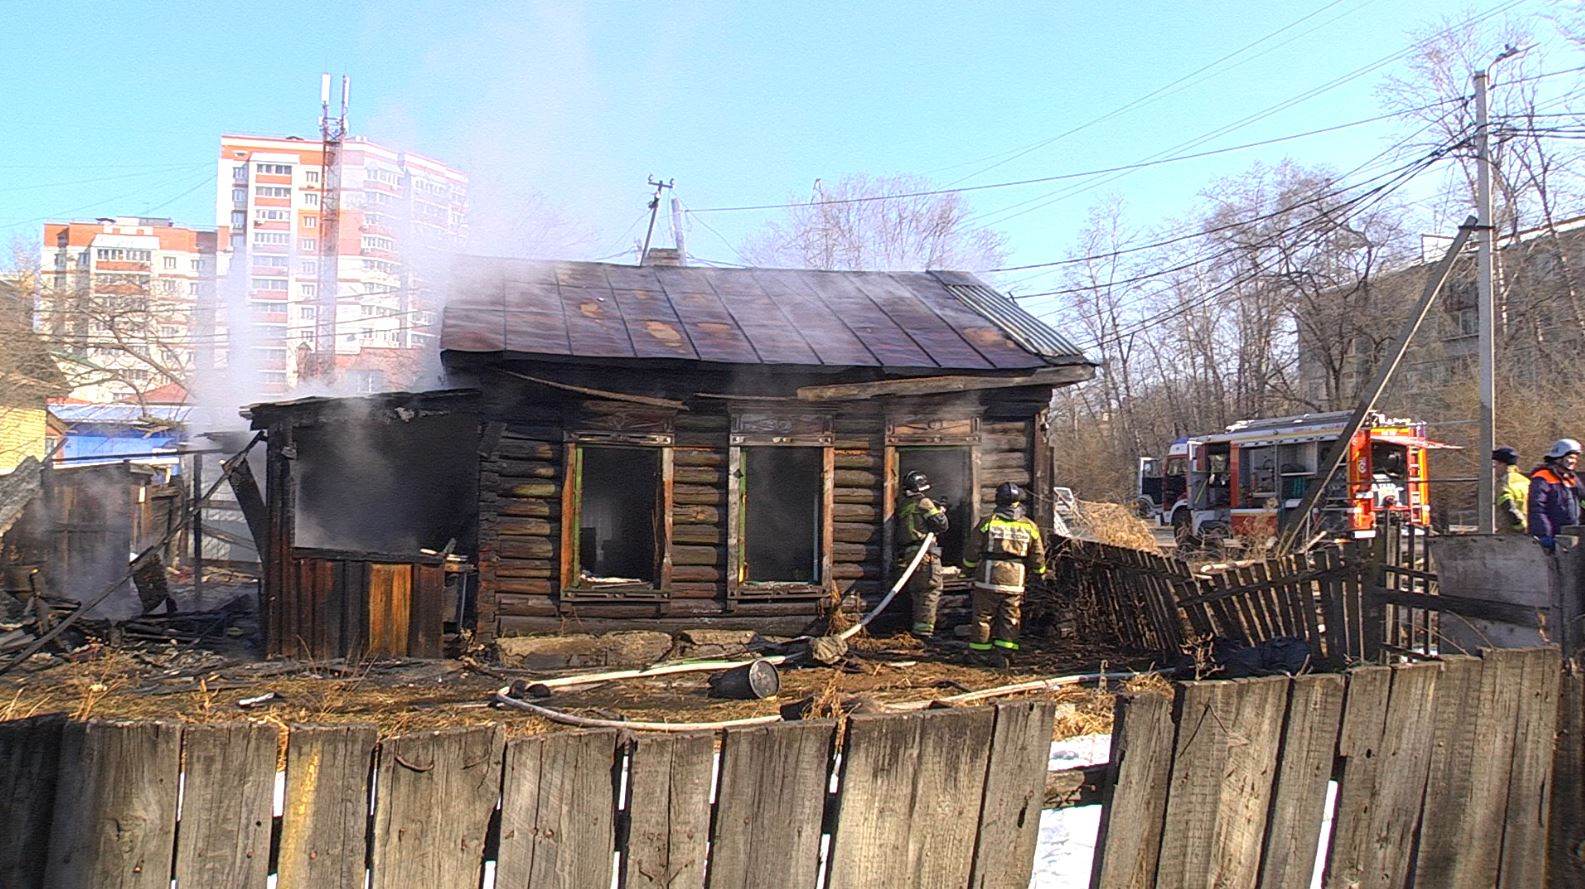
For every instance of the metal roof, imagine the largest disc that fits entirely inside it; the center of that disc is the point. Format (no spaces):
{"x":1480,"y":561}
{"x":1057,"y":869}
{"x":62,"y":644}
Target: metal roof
{"x":930,"y":320}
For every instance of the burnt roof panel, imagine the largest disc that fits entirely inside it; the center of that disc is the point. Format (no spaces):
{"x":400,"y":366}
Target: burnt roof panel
{"x":932,"y":320}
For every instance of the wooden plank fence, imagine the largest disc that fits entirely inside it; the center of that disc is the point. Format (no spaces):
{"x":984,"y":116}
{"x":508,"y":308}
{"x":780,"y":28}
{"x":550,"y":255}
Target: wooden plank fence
{"x":119,"y":803}
{"x":1445,"y":777}
{"x":1349,"y":603}
{"x":1454,"y":772}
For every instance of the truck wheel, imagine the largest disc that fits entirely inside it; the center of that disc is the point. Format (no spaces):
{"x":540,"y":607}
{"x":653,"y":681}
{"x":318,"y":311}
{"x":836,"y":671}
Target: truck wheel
{"x":1144,"y":507}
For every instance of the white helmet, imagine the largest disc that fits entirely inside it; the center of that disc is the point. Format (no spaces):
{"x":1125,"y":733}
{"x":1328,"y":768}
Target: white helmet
{"x":1562,"y":448}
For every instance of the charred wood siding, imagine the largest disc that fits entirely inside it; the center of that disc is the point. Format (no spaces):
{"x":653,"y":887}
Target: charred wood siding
{"x":1005,"y":452}
{"x":699,"y":507}
{"x":858,"y":495}
{"x":521,"y":482}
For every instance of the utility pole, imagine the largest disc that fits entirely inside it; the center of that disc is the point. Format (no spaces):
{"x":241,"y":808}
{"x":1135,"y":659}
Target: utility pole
{"x":1486,"y":303}
{"x":332,"y":131}
{"x":676,"y":228}
{"x":654,"y":211}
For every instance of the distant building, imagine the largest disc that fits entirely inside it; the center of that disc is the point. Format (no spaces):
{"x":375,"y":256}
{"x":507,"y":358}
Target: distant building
{"x":400,"y":212}
{"x":1540,"y":323}
{"x":123,"y":301}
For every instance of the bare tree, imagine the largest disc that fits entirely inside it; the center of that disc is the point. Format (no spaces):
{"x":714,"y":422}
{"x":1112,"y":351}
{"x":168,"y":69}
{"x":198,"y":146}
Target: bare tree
{"x":879,"y":223}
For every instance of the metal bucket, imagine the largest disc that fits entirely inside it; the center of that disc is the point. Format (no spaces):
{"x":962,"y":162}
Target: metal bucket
{"x":755,"y":679}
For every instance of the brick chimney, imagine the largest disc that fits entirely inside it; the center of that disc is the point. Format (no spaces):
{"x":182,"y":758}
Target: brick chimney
{"x":667,"y":256}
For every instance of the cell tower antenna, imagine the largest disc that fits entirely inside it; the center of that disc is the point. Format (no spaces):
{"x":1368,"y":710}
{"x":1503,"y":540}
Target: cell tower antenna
{"x":332,"y":132}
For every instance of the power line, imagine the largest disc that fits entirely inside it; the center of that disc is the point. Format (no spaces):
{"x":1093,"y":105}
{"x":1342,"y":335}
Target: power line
{"x":1146,"y":98}
{"x":1060,"y":176}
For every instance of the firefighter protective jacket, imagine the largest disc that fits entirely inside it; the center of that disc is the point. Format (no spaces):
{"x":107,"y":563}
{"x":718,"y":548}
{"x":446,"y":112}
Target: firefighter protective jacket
{"x":1513,"y":498}
{"x":917,"y":517}
{"x":1004,"y":550}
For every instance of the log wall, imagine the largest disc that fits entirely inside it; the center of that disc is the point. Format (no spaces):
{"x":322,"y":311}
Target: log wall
{"x":523,"y":481}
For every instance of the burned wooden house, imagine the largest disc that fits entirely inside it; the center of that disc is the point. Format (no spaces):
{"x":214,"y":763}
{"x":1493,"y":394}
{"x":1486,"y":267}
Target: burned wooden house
{"x":650,"y":447}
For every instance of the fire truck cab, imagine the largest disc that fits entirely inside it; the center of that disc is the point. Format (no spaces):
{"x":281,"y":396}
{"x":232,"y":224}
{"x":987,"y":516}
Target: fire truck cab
{"x":1241,"y":486}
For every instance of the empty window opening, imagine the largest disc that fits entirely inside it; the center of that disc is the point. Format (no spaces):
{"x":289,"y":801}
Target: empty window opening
{"x":781,"y":513}
{"x":618,"y":519}
{"x":951,"y":477}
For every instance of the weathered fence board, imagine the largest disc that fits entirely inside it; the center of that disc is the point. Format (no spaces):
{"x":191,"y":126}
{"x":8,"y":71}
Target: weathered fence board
{"x":1298,"y":805}
{"x":114,"y":822}
{"x":29,"y":763}
{"x":668,"y":811}
{"x":1453,"y":753}
{"x":1135,"y":797}
{"x":1220,"y":790}
{"x":1566,"y":846}
{"x":770,"y":802}
{"x":1496,"y":715}
{"x":558,"y":808}
{"x":1380,"y":792}
{"x":227,"y":792}
{"x":1524,"y":835}
{"x":325,"y":815}
{"x":1014,"y":788}
{"x":451,"y":771}
{"x":909,"y":787}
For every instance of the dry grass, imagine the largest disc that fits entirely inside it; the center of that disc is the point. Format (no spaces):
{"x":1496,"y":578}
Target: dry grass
{"x":1113,"y":524}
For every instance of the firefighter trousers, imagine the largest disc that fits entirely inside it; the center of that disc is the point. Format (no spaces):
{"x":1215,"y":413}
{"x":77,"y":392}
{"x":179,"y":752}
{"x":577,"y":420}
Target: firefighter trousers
{"x":997,"y":615}
{"x":924,"y":591}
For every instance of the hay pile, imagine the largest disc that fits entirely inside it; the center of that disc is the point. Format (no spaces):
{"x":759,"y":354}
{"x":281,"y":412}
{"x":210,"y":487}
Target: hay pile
{"x":1113,"y":524}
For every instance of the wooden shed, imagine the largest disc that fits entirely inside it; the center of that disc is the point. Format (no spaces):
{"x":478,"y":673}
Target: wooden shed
{"x":655,"y":447}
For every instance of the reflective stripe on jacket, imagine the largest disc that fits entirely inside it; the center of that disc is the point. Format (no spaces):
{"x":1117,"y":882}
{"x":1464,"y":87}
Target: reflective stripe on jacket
{"x":1004,"y":550}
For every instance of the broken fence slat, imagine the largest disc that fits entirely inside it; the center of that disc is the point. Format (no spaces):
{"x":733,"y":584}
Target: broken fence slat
{"x":227,"y":791}
{"x":1129,"y":840}
{"x":770,"y":802}
{"x":114,"y":822}
{"x":1015,"y":785}
{"x":558,"y":806}
{"x":325,"y":820}
{"x":668,"y":811}
{"x":1566,"y":852}
{"x":29,"y":767}
{"x":453,"y":771}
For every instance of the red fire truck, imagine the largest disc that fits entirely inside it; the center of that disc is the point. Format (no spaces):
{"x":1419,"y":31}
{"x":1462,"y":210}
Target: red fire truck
{"x":1239,"y":487}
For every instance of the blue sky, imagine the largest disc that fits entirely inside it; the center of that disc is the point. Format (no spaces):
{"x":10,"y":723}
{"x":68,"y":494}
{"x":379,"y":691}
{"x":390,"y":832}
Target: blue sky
{"x":117,"y":108}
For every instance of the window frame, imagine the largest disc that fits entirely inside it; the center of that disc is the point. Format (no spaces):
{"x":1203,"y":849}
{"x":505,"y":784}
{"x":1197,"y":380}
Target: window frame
{"x":791,"y":429}
{"x":610,"y":424}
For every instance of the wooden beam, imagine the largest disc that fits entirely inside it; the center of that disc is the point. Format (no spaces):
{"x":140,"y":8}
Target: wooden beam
{"x":1048,"y":376}
{"x":600,"y":393}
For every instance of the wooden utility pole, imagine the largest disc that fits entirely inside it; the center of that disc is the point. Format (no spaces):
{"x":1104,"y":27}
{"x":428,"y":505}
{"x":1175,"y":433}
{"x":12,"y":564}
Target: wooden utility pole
{"x":654,"y":211}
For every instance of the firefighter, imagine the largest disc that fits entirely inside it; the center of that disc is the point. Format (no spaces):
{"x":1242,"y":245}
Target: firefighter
{"x":1003,"y":551}
{"x":916,"y":517}
{"x":1513,"y":490}
{"x":1555,"y":493}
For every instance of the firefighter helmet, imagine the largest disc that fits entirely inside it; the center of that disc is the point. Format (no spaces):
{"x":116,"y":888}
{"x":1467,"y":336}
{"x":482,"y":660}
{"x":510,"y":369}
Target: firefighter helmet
{"x":916,"y":482}
{"x":1009,"y":493}
{"x":1562,"y":448}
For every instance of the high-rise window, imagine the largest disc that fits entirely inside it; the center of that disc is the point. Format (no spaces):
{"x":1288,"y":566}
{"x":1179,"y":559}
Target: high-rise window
{"x":310,"y":200}
{"x":311,"y":177}
{"x":169,"y":263}
{"x":308,"y":245}
{"x":272,"y":191}
{"x":274,"y":169}
{"x":310,"y":222}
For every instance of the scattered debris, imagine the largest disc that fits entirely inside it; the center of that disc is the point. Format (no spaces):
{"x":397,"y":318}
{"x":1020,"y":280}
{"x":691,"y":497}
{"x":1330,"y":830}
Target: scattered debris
{"x":256,"y":701}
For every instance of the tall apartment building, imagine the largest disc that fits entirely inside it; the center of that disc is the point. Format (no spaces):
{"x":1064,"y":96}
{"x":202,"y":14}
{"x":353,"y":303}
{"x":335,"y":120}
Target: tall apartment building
{"x":123,"y":300}
{"x":399,"y":214}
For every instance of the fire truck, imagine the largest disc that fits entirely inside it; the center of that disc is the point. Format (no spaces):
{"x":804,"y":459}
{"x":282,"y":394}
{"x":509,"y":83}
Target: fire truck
{"x":1241,"y":486}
